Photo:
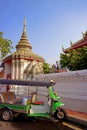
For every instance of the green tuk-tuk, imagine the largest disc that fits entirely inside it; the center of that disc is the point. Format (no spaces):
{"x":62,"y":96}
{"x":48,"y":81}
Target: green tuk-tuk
{"x":31,"y":104}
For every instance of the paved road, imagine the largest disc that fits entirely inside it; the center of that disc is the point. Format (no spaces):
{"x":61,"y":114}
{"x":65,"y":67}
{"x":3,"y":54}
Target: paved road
{"x":22,"y":124}
{"x":37,"y":124}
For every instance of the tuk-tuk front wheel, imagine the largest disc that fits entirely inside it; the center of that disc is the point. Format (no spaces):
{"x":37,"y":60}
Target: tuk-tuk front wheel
{"x":60,"y":114}
{"x":6,"y":114}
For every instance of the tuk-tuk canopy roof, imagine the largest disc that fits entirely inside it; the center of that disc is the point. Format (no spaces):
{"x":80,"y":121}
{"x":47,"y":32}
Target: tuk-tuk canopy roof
{"x":26,"y":82}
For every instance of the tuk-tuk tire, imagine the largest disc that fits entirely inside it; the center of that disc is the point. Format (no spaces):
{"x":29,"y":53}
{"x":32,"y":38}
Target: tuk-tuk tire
{"x":61,"y":114}
{"x":6,"y":114}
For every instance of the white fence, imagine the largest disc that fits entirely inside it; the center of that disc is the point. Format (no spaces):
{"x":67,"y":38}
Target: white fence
{"x":71,"y":87}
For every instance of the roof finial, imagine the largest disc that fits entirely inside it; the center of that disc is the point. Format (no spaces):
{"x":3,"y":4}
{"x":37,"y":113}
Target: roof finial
{"x":86,"y":32}
{"x":62,"y":48}
{"x":24,"y":29}
{"x":83,"y":35}
{"x":70,"y":42}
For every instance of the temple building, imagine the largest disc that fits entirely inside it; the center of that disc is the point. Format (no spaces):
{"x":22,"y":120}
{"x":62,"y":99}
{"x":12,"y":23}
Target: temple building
{"x":80,"y":43}
{"x":23,"y":63}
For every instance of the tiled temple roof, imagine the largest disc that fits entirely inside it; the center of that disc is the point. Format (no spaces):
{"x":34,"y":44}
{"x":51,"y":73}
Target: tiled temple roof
{"x":80,"y":43}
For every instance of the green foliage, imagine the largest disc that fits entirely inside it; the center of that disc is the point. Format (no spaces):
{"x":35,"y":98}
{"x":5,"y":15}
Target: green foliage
{"x":74,"y":59}
{"x":46,"y":68}
{"x":5,"y":45}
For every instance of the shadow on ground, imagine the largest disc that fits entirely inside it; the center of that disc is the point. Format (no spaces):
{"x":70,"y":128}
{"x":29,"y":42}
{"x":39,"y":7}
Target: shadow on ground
{"x":19,"y":123}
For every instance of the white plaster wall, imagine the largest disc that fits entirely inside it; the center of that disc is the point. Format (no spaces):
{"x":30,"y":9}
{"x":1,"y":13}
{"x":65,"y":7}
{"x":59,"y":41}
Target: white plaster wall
{"x":7,"y":69}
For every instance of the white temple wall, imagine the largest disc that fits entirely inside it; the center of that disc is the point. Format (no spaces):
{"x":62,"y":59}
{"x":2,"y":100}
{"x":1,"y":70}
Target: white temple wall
{"x":7,"y":69}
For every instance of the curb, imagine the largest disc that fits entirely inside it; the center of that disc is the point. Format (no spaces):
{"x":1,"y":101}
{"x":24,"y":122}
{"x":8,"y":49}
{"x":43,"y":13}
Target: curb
{"x":77,"y":120}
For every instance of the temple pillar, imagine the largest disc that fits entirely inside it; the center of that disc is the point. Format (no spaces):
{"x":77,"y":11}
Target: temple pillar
{"x":13,"y":69}
{"x":16,"y":69}
{"x":21,"y":69}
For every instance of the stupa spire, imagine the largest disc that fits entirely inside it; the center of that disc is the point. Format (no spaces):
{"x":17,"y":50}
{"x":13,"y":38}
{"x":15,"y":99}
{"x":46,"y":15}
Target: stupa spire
{"x":24,"y":29}
{"x":24,"y":43}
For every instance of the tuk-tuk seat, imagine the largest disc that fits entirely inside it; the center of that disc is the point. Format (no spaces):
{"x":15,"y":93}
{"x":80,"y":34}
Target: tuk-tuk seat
{"x":8,"y":97}
{"x":38,"y":103}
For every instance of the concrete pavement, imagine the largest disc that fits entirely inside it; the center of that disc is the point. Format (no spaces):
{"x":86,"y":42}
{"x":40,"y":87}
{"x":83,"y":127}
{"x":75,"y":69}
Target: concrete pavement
{"x":77,"y":117}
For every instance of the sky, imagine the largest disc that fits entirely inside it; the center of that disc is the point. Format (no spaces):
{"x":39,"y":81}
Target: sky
{"x":51,"y":24}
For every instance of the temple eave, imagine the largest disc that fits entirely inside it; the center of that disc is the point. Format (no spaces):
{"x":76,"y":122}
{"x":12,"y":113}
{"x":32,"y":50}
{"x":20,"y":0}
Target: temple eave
{"x":80,"y":43}
{"x":24,"y":55}
{"x":24,"y":58}
{"x":74,"y":47}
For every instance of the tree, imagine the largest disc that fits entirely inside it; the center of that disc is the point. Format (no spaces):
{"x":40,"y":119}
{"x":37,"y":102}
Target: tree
{"x":74,"y":59}
{"x":46,"y":68}
{"x":5,"y":45}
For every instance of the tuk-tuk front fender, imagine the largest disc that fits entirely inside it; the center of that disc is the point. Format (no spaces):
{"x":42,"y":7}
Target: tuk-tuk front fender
{"x":56,"y":105}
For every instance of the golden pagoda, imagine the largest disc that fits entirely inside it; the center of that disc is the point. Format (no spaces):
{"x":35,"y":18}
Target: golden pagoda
{"x":23,"y":63}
